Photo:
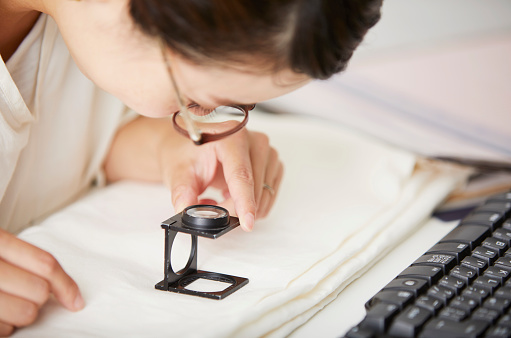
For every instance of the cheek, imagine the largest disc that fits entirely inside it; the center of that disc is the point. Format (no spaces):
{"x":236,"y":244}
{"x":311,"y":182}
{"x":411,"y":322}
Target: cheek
{"x":146,"y":92}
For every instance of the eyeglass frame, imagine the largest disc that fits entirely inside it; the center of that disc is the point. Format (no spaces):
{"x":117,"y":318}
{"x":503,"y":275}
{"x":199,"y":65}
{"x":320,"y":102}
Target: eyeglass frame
{"x":192,"y":131}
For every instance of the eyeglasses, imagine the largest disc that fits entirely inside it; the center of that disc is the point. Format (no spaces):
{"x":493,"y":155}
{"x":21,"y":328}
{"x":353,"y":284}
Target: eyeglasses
{"x":203,"y":125}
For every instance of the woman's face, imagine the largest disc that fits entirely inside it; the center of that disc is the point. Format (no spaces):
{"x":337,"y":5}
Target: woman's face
{"x":123,"y":61}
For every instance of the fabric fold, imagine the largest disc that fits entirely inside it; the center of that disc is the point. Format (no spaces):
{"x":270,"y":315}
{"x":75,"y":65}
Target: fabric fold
{"x":345,"y":201}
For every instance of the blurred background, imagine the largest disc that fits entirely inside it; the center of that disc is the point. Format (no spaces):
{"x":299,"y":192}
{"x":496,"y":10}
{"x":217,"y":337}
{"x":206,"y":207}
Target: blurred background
{"x":433,"y":77}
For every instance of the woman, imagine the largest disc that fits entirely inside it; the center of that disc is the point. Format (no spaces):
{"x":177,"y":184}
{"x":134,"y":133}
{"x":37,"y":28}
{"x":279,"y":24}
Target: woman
{"x":69,"y":70}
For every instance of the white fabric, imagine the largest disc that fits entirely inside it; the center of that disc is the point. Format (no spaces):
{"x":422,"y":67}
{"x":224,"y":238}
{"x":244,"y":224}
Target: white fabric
{"x":55,"y":128}
{"x":345,"y":200}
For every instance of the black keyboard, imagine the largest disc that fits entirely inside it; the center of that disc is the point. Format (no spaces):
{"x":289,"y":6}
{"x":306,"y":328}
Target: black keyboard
{"x":461,"y":286}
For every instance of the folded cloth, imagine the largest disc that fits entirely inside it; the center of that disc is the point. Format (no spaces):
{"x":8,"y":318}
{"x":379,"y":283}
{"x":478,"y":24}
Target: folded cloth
{"x":344,"y":202}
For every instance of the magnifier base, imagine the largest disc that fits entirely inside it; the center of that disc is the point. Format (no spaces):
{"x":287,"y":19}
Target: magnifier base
{"x":180,"y":285}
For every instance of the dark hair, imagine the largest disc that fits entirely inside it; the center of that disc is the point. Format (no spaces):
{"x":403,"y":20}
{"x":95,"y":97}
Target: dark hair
{"x":313,"y":37}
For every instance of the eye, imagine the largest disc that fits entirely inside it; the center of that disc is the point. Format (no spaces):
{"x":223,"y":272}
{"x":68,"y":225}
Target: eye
{"x":198,"y":110}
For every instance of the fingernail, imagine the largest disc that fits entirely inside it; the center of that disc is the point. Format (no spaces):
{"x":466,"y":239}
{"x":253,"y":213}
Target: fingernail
{"x":248,"y":222}
{"x":79,"y":302}
{"x":179,"y":204}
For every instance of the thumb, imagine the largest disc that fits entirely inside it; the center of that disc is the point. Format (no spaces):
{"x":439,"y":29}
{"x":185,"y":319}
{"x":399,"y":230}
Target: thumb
{"x":184,"y":190}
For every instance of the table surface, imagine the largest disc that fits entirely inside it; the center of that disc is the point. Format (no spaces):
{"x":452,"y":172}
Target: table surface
{"x":347,"y":310}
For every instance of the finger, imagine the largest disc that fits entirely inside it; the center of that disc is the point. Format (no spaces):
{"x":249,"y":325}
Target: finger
{"x":43,"y":264}
{"x":259,"y":157}
{"x":269,"y":201}
{"x":184,"y":187}
{"x":270,"y":179}
{"x":233,"y":154}
{"x":17,"y":311}
{"x":208,"y":201}
{"x":24,"y":284}
{"x":6,"y":329}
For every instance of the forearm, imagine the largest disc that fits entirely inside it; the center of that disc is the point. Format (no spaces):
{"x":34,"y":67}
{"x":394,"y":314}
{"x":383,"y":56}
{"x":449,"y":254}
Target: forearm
{"x":135,"y":150}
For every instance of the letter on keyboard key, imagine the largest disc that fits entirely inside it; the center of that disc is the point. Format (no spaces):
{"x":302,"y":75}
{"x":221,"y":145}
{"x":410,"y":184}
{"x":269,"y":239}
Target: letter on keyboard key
{"x":452,"y":283}
{"x":464,"y":273}
{"x":446,"y":262}
{"x":470,"y":234}
{"x":453,"y":313}
{"x":495,"y":244}
{"x":485,"y":314}
{"x":504,"y":263}
{"x":409,"y":322}
{"x":441,"y":292}
{"x":476,"y":292}
{"x":487,"y":282}
{"x":429,"y":303}
{"x":446,"y":328}
{"x":495,"y":272}
{"x":460,"y":250}
{"x":498,"y":304}
{"x":498,"y":331}
{"x":477,"y":264}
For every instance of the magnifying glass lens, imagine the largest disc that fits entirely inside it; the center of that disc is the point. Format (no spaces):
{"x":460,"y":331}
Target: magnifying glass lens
{"x":205,"y":217}
{"x":206,"y":212}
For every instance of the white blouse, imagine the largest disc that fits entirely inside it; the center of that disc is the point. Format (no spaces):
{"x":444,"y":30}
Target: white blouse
{"x":56,"y":127}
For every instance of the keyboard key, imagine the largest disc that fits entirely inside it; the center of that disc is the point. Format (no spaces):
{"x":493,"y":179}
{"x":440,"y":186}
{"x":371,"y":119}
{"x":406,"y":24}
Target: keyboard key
{"x":397,"y":297}
{"x":503,"y":235}
{"x":464,"y":303}
{"x":464,"y":273}
{"x":431,"y":273}
{"x":446,"y":262}
{"x":358,"y":332}
{"x":445,"y":328}
{"x":453,"y":313}
{"x":507,"y":224}
{"x":504,"y":262}
{"x":485,"y":314}
{"x":496,"y":206}
{"x":505,"y":320}
{"x":441,"y":292}
{"x":498,"y":304}
{"x":487,"y":254}
{"x":453,"y":283}
{"x":501,"y":274}
{"x":379,"y":316}
{"x":477,"y":264}
{"x":472,"y":235}
{"x":429,"y":303}
{"x":414,"y":285}
{"x":492,"y":220}
{"x":409,"y":322}
{"x":504,"y":292}
{"x":476,"y":292}
{"x":498,"y":332}
{"x":487,"y":282}
{"x":495,"y":244}
{"x":459,"y":250}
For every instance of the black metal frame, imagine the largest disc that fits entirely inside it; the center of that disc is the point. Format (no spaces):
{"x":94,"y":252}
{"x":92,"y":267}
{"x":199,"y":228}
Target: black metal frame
{"x":178,"y":281}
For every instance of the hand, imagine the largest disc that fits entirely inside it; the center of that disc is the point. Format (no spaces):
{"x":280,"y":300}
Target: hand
{"x":27,"y":277}
{"x":239,"y":165}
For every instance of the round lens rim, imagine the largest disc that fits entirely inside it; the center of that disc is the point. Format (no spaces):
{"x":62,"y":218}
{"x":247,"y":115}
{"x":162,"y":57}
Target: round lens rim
{"x":207,"y":137}
{"x":205,"y":223}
